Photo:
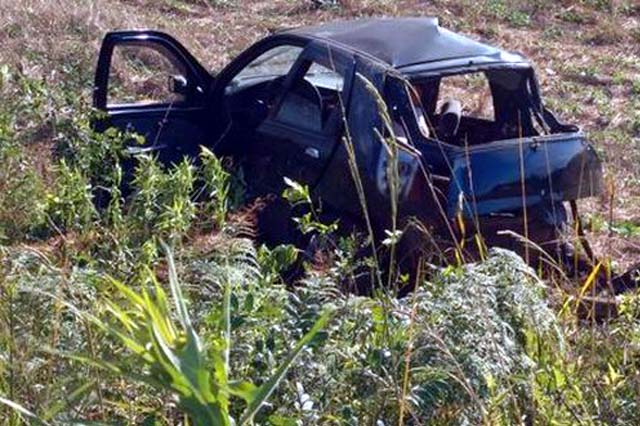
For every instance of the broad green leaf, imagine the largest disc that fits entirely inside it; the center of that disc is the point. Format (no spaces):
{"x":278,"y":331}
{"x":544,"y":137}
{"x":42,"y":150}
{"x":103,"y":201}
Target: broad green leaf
{"x":243,"y":389}
{"x":176,"y":292}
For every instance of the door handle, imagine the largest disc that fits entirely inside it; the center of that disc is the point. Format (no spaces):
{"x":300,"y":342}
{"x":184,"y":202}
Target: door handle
{"x":312,"y":152}
{"x":137,"y":150}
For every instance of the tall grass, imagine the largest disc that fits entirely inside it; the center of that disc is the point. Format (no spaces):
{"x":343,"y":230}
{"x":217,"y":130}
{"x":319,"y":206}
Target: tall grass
{"x":96,"y":327}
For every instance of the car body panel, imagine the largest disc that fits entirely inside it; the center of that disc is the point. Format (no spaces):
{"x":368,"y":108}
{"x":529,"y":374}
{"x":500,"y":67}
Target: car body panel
{"x":401,"y":42}
{"x":172,"y":130}
{"x":508,"y":175}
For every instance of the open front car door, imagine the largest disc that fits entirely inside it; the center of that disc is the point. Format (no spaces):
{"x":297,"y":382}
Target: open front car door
{"x":148,"y":83}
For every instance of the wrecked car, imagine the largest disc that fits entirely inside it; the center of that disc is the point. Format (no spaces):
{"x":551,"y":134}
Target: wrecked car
{"x":473,"y":151}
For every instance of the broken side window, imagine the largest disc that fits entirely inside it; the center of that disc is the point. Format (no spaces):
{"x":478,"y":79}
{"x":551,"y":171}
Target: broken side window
{"x":472,"y":91}
{"x":514,"y":103}
{"x":479,"y":107}
{"x":464,"y":110}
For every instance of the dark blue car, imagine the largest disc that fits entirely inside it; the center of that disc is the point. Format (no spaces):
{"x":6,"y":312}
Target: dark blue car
{"x":455,"y":131}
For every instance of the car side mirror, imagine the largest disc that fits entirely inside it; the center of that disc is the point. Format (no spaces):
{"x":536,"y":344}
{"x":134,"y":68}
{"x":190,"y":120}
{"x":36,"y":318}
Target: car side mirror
{"x":178,"y":84}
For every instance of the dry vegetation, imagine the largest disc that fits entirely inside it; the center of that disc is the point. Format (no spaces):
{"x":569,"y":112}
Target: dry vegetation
{"x":454,"y":353}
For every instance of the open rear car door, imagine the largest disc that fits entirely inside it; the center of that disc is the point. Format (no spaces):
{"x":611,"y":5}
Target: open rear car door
{"x":148,"y":83}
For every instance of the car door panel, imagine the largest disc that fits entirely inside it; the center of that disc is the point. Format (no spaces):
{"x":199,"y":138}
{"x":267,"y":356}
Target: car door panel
{"x":171,"y":134}
{"x":307,"y":142}
{"x":171,"y":128}
{"x":303,"y":154}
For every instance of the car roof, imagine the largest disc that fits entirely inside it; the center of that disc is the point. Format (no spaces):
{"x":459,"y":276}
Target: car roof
{"x":405,"y":42}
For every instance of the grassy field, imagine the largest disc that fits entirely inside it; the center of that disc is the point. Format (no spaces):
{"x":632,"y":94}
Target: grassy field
{"x":99,"y":322}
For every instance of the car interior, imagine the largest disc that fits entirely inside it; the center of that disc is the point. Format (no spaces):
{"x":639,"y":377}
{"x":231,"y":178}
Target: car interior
{"x":478,"y":108}
{"x":276,"y":101}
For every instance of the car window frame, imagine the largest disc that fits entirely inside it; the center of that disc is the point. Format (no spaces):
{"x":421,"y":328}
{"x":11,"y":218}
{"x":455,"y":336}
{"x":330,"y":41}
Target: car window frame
{"x":246,"y":66}
{"x":228,"y":73}
{"x":170,"y":56}
{"x":440,"y":97}
{"x":161,"y":43}
{"x":330,"y":57}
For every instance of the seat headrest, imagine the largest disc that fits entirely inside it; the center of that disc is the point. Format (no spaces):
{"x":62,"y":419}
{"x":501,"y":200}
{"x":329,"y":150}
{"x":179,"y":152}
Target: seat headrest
{"x":450,"y":114}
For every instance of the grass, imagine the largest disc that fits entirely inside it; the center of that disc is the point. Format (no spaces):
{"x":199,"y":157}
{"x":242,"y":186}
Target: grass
{"x":88,"y":332}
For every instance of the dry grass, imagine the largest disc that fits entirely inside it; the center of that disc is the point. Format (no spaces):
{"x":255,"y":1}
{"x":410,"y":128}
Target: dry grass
{"x":586,"y":52}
